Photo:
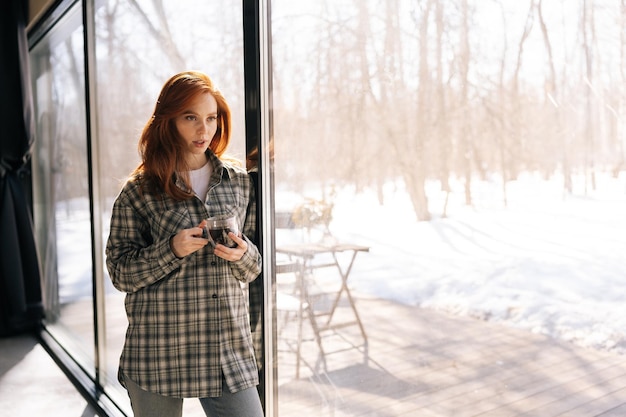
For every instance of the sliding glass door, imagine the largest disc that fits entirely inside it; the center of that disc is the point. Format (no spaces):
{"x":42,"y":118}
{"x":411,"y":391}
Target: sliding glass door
{"x":61,"y":187}
{"x":138,"y":46}
{"x":88,"y":129}
{"x":400,"y":143}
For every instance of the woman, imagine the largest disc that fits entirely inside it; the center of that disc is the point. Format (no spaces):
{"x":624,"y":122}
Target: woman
{"x":189,"y":332}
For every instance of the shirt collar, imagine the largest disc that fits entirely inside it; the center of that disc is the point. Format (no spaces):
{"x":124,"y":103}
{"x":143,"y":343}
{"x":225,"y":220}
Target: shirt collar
{"x":219,"y":170}
{"x":217,"y":164}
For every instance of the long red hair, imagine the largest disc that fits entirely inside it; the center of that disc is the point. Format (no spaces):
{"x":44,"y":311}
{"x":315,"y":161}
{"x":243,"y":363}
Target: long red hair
{"x":161,"y":147}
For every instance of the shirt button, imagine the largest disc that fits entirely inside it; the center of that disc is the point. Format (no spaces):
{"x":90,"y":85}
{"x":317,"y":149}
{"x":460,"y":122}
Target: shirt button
{"x":213,"y":263}
{"x":214,"y":296}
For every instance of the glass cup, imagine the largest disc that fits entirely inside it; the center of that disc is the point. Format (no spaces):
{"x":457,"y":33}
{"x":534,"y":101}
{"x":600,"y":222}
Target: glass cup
{"x":218,"y":228}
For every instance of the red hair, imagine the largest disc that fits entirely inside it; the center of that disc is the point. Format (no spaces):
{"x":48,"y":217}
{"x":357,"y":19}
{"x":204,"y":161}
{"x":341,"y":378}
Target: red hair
{"x":160,"y":145}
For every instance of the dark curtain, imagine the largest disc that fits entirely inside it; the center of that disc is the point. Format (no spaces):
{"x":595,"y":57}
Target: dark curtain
{"x":20,"y":290}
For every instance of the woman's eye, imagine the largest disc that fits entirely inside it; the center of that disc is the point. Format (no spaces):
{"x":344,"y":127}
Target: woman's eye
{"x":212,"y":118}
{"x":190,"y":118}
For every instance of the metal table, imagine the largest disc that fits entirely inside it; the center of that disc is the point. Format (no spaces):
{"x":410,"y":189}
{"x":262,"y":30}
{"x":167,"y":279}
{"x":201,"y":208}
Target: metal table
{"x":305,"y":254}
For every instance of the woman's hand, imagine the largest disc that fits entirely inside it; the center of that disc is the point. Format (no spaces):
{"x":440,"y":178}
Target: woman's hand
{"x":188,"y":241}
{"x":231,"y":254}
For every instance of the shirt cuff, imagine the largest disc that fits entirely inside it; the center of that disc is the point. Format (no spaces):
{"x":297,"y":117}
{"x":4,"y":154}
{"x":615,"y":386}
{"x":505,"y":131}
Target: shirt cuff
{"x":166,"y":257}
{"x":248,"y":267}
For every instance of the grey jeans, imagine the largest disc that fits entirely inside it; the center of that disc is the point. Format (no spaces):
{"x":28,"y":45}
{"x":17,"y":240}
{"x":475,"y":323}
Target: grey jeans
{"x":244,"y":403}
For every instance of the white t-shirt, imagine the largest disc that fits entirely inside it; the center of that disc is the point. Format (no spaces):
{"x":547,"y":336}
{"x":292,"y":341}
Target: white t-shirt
{"x":200,"y":180}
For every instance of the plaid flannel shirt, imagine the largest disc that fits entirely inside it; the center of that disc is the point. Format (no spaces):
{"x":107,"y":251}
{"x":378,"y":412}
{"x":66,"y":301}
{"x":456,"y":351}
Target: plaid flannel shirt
{"x":188,"y":318}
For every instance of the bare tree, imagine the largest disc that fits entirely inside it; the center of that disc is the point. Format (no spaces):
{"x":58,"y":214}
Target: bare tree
{"x":160,"y":31}
{"x":621,"y":100}
{"x":465,"y":126}
{"x":588,"y":32}
{"x":410,"y":152}
{"x":443,"y":145}
{"x":553,"y":104}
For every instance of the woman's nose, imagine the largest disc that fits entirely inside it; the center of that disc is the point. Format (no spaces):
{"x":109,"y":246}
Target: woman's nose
{"x":204,"y":127}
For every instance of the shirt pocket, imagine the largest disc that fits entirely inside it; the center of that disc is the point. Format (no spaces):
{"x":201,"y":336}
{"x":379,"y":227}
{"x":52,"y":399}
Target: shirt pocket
{"x":171,"y":222}
{"x":226,"y":198}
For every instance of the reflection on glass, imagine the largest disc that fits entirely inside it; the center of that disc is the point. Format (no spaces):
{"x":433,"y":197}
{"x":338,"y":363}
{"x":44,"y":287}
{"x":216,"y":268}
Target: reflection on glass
{"x":61,"y":189}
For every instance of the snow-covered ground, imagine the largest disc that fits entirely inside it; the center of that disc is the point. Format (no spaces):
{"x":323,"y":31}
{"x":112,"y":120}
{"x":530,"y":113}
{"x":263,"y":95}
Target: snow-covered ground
{"x":548,"y":262}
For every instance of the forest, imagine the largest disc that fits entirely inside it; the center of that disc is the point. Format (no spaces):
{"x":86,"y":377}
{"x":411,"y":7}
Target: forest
{"x":365,"y":92}
{"x":435,"y":90}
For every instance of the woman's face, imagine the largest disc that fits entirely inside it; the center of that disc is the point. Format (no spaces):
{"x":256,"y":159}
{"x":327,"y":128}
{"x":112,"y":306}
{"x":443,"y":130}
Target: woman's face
{"x":196,"y":126}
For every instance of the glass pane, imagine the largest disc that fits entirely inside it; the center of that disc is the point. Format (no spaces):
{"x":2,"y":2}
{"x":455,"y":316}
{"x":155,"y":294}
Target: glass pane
{"x":139,"y":45}
{"x":61,"y":189}
{"x":482,"y":166}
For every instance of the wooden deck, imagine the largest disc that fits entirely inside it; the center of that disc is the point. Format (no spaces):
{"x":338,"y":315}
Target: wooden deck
{"x":427,"y":363}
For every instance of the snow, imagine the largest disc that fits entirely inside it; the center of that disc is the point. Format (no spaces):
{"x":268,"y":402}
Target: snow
{"x":549,"y":261}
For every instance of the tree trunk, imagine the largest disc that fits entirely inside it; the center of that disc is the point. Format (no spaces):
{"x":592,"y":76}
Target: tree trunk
{"x":465,"y":123}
